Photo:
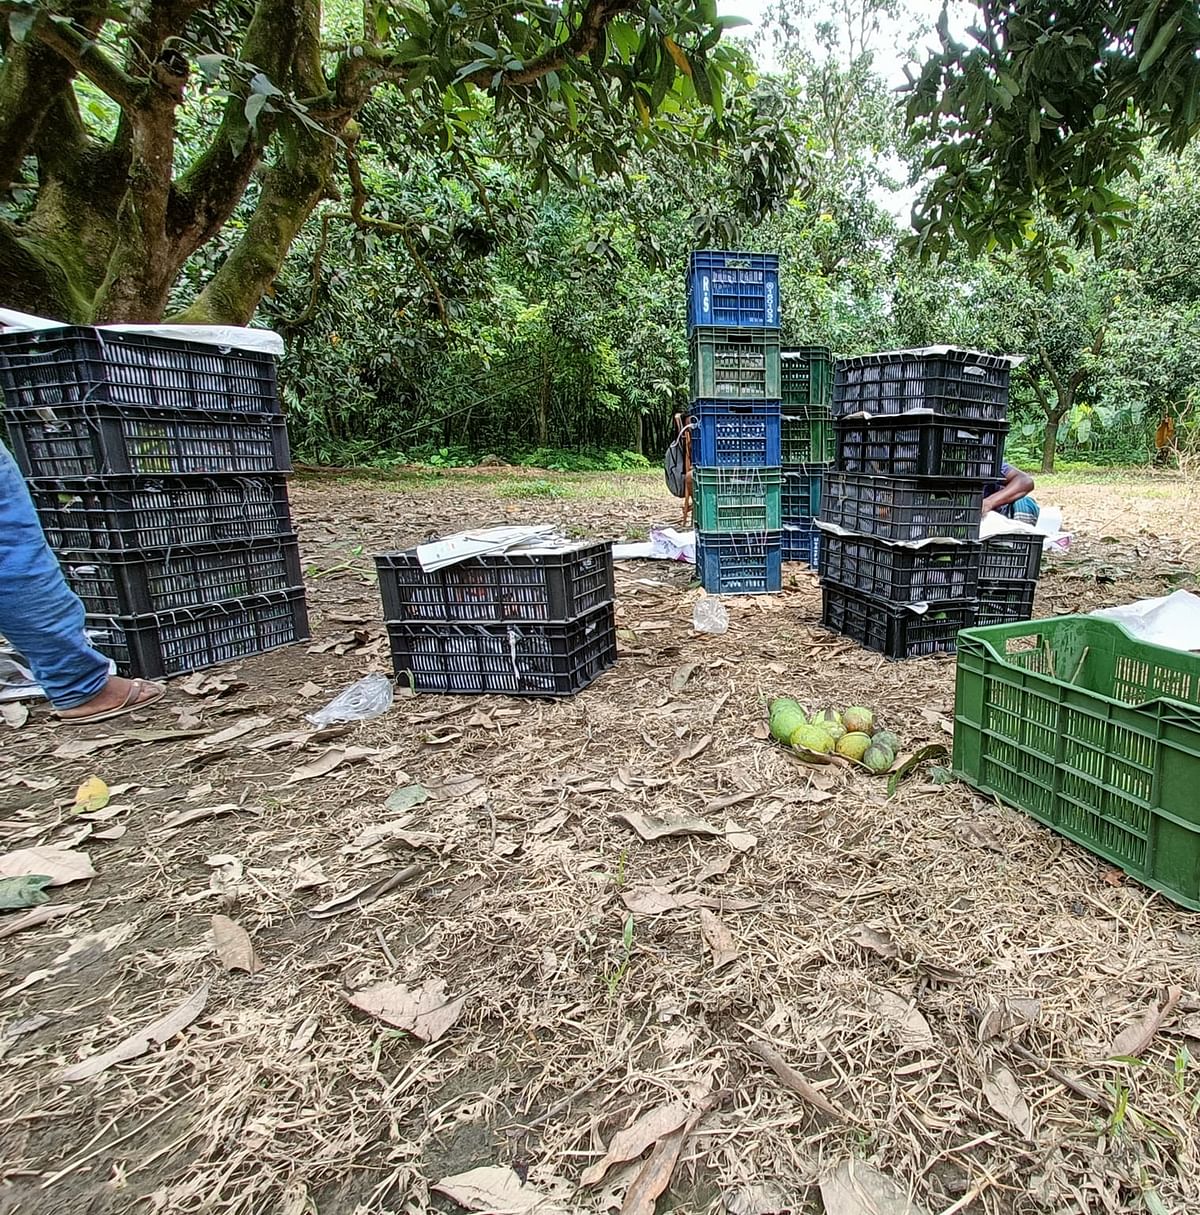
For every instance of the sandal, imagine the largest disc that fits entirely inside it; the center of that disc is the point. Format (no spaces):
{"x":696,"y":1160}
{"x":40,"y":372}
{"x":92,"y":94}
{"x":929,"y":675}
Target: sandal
{"x":140,"y":695}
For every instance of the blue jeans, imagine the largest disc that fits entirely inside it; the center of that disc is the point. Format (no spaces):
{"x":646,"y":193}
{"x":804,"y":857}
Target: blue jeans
{"x":39,"y":614}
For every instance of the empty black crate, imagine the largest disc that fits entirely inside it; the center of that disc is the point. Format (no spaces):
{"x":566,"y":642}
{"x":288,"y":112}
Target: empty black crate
{"x":119,"y":513}
{"x":896,"y":632}
{"x":1012,"y":557}
{"x":124,"y":583}
{"x":507,"y":659}
{"x":172,"y":643}
{"x":901,"y":509}
{"x":959,"y":383}
{"x":78,"y":364}
{"x":900,"y":575}
{"x":542,"y":584}
{"x":1005,"y":602}
{"x":75,"y":441}
{"x":920,"y":446}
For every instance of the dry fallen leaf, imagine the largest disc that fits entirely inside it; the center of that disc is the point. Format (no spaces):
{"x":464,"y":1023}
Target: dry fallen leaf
{"x":165,"y":1028}
{"x":496,"y":1191}
{"x":552,"y":823}
{"x":1132,"y":1041}
{"x":877,"y":942}
{"x":92,"y":795}
{"x":738,"y":839}
{"x":406,"y":797}
{"x":307,"y":872}
{"x":652,"y":827}
{"x":760,"y":730}
{"x":855,"y":1188}
{"x":233,"y":945}
{"x":38,"y":915}
{"x":902,"y":1016}
{"x":1004,"y":1095}
{"x":329,"y":759}
{"x":655,"y":1175}
{"x":630,"y":1143}
{"x":680,"y":678}
{"x":181,"y":818}
{"x":692,"y":750}
{"x":423,"y":1011}
{"x":246,"y":726}
{"x":14,"y":714}
{"x":1009,"y":1017}
{"x":978,"y":835}
{"x":762,"y":1198}
{"x":653,"y":900}
{"x":795,"y":1081}
{"x":718,"y":938}
{"x":309,"y":690}
{"x":210,"y":683}
{"x":80,"y":748}
{"x":60,"y":865}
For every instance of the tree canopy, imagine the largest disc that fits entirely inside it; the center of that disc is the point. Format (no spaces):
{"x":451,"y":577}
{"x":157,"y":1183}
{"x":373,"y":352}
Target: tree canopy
{"x":132,"y":135}
{"x":1047,"y":109}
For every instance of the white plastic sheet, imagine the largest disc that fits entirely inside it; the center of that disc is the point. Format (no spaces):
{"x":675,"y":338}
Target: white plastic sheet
{"x":665,"y":544}
{"x":234,"y":337}
{"x":1172,"y":620}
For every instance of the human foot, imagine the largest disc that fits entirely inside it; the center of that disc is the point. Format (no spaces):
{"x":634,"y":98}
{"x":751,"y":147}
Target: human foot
{"x":117,"y":697}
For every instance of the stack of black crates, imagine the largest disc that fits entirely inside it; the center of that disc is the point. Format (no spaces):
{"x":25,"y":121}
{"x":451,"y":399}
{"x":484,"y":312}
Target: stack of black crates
{"x":157,"y":469}
{"x":806,"y":447}
{"x":733,"y":336}
{"x":535,"y":622}
{"x":919,"y":434}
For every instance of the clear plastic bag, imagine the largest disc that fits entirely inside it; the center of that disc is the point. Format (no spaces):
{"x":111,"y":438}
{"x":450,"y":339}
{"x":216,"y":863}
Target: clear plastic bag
{"x":710,"y":616}
{"x":370,"y":697}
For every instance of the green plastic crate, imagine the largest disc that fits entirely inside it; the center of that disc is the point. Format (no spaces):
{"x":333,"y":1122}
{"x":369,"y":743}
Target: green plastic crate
{"x":807,"y":435}
{"x":807,"y":375}
{"x":734,"y":364}
{"x":737,"y":499}
{"x":1092,"y":732}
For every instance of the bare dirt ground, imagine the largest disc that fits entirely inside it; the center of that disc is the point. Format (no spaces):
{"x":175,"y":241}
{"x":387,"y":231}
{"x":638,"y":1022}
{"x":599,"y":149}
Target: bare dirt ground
{"x":944,"y":978}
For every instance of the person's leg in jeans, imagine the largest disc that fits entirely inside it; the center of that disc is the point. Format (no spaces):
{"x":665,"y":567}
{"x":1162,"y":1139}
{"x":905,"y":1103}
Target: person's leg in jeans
{"x":42,"y":617}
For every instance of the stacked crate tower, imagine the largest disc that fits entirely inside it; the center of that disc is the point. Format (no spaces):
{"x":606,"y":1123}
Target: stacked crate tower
{"x":806,"y":447}
{"x":733,"y":338}
{"x":919,"y":433}
{"x":536,"y":621}
{"x":157,"y":467}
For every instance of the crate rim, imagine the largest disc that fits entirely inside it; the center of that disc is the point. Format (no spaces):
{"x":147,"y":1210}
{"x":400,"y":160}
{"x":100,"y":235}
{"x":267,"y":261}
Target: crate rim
{"x":224,"y":607}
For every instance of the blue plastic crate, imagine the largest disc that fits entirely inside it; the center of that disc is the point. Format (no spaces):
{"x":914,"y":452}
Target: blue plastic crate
{"x":736,"y":290}
{"x":800,"y":542}
{"x":736,"y":434}
{"x":740,"y":563}
{"x":801,"y":498}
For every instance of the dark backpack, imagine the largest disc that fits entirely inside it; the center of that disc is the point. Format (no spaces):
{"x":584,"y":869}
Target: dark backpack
{"x":676,"y":461}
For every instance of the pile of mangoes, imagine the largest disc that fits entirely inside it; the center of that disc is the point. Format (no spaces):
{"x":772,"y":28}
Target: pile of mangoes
{"x":850,"y":733}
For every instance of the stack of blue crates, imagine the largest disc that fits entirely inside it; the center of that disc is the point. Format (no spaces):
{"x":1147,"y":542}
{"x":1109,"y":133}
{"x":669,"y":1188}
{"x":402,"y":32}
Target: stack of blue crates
{"x":733,"y":332}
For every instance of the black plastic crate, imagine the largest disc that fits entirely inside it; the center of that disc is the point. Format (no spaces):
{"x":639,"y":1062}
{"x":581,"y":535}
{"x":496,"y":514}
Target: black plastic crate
{"x":124,"y":583}
{"x":900,"y":575}
{"x":549,"y":584}
{"x":513,"y":659}
{"x":920,"y":446}
{"x":902,"y":509}
{"x":77,"y":364}
{"x":1012,"y":557}
{"x":172,"y":643}
{"x":104,"y":514}
{"x":896,"y":632}
{"x":1005,"y":602}
{"x":959,"y":383}
{"x":76,"y":441}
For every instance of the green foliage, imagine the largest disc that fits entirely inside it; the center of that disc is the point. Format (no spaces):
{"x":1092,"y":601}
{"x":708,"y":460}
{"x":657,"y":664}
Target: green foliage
{"x":1045,"y":109}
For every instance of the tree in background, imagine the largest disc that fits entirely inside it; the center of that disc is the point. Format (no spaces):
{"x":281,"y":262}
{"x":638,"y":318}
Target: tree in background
{"x":132,"y":135}
{"x":1047,"y":109}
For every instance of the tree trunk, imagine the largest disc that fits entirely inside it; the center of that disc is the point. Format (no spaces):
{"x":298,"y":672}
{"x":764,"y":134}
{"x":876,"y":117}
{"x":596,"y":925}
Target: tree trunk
{"x":543,"y":412}
{"x":1050,"y":439}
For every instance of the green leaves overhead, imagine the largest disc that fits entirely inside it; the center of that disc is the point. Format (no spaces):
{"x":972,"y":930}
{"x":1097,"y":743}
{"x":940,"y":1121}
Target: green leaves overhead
{"x":1048,"y":106}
